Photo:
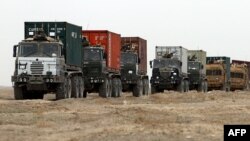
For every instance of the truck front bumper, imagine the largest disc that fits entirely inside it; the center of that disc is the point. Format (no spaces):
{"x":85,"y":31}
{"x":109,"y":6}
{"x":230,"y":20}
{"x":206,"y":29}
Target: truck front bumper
{"x":37,"y":79}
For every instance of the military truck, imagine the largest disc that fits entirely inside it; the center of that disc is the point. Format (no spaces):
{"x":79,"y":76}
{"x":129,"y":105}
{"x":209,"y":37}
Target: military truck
{"x":169,"y":69}
{"x":48,"y":60}
{"x":101,"y":63}
{"x":134,"y":66}
{"x":239,"y":77}
{"x":218,"y":73}
{"x":247,"y":63}
{"x":197,"y":70}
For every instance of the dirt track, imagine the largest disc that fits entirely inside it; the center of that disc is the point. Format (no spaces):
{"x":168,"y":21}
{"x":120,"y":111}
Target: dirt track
{"x":167,"y":116}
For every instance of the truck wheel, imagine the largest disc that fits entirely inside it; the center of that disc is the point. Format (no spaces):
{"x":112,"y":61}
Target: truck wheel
{"x":200,"y":87}
{"x":145,"y":86}
{"x":153,"y":89}
{"x":18,"y":93}
{"x":119,"y":87}
{"x":110,"y":88}
{"x":64,"y":90}
{"x":137,"y":89}
{"x":81,"y":87}
{"x":205,"y":87}
{"x":61,"y":92}
{"x":75,"y":87}
{"x":104,"y":88}
{"x":180,"y":87}
{"x":115,"y":88}
{"x":186,"y":86}
{"x":69,"y":88}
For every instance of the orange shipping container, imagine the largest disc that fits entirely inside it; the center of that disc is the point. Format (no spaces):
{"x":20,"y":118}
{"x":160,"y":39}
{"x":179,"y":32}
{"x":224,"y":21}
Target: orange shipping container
{"x":111,"y":42}
{"x":140,"y":46}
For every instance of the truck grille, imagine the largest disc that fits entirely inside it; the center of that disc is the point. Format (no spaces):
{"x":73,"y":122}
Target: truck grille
{"x":36,"y":68}
{"x":165,"y":74}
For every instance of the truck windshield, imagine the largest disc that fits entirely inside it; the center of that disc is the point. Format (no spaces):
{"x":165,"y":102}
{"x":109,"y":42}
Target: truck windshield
{"x":92,"y":54}
{"x":236,"y":75}
{"x":128,"y":58}
{"x":38,"y":50}
{"x":193,"y":65}
{"x":49,"y":49}
{"x":166,"y":63}
{"x":213,"y":72}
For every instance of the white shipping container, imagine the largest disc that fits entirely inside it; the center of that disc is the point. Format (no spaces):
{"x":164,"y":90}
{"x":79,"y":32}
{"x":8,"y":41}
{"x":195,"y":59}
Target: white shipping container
{"x":200,"y":56}
{"x":177,"y":52}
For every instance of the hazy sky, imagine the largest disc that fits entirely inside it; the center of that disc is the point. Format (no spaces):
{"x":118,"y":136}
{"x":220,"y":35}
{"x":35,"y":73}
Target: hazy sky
{"x":220,"y":27}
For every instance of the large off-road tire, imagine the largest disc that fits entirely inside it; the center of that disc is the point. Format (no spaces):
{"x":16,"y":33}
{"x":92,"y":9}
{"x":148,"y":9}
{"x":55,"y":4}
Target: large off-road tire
{"x":81,"y":87}
{"x":180,"y":87}
{"x":119,"y":87}
{"x":186,"y":85}
{"x":115,"y":88}
{"x":104,"y":88}
{"x":200,"y":86}
{"x":145,"y":87}
{"x":110,"y":88}
{"x":64,"y":90}
{"x":75,"y":87}
{"x":205,"y":88}
{"x":18,"y":93}
{"x":153,"y":89}
{"x":137,"y":89}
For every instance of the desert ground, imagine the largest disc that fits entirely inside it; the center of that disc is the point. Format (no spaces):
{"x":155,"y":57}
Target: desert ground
{"x":168,"y":116}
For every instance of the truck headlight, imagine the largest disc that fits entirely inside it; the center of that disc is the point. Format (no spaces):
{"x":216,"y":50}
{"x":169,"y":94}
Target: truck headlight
{"x":157,"y":77}
{"x":51,"y":80}
{"x":22,"y":67}
{"x":174,"y":73}
{"x":130,"y":71}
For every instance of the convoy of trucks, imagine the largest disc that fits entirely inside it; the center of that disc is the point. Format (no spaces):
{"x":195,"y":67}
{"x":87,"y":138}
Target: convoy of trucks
{"x":61,"y":58}
{"x":218,"y":73}
{"x":134,"y":66}
{"x":169,"y":69}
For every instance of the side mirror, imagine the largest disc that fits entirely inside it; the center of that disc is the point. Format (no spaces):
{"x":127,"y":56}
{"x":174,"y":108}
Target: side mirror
{"x":150,"y":62}
{"x":14,"y":50}
{"x":62,"y":51}
{"x":139,"y":60}
{"x":104,"y":56}
{"x":181,"y":64}
{"x":202,"y":66}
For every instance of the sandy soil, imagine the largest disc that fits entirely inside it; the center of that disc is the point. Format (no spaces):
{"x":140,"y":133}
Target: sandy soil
{"x":166,"y":116}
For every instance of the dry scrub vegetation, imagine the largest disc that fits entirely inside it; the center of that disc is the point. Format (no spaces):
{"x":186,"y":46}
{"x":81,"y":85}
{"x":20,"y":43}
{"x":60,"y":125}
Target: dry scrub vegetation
{"x":165,"y":116}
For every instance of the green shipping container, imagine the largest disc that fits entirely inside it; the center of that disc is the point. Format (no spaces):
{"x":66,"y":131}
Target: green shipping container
{"x":69,"y":34}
